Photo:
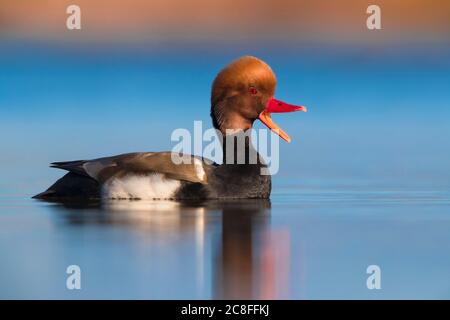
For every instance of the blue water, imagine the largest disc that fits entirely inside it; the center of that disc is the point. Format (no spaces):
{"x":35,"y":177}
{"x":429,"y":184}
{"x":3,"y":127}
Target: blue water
{"x":365,"y":181}
{"x":311,"y":241}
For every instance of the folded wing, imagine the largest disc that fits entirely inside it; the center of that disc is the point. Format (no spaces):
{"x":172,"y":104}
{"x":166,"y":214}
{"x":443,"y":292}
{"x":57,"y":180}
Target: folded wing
{"x":192,"y":168}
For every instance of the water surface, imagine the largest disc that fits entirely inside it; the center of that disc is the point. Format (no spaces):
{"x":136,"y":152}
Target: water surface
{"x":311,"y":240}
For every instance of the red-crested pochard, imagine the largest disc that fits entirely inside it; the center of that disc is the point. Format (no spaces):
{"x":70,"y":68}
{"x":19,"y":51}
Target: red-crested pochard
{"x":241,"y":93}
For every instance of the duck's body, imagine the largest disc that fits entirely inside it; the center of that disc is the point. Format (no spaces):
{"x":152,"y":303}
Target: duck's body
{"x":145,"y":176}
{"x":242,"y":92}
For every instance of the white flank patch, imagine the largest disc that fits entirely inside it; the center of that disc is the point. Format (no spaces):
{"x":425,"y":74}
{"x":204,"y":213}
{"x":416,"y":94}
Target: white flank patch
{"x":153,"y":186}
{"x":199,"y":171}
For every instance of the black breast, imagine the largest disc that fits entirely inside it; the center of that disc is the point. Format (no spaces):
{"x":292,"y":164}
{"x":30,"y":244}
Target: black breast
{"x":237,"y":181}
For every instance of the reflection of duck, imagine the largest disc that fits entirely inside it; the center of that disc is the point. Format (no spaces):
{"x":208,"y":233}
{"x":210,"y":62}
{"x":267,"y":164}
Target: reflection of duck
{"x":241,"y":93}
{"x":236,"y":270}
{"x":248,"y":255}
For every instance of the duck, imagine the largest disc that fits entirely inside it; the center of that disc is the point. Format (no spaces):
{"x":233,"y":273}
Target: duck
{"x":242,"y":92}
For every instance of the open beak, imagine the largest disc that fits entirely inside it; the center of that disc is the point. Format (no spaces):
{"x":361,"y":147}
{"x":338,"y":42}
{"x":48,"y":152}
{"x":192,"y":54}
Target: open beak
{"x":277,"y":106}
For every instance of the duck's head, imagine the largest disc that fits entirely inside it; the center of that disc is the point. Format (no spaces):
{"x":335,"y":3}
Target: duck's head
{"x":244,"y":91}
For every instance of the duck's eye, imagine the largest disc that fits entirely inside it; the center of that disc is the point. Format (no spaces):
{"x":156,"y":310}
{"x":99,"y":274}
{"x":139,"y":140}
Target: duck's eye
{"x":252,"y":90}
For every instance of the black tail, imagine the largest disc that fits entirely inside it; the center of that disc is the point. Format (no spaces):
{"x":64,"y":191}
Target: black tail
{"x":71,"y":166}
{"x":71,"y":186}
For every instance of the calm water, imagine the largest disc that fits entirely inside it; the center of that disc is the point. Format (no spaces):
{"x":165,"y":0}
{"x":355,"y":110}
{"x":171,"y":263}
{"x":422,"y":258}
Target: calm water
{"x":311,"y":240}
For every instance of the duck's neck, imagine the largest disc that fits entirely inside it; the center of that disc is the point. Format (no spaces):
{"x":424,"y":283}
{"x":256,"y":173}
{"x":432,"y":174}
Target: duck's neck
{"x":238,"y":149}
{"x":243,"y":173}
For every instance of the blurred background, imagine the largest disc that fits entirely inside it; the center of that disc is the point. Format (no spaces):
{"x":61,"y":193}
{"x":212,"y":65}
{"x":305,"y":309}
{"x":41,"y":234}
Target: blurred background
{"x":378,"y":99}
{"x":365,"y":180}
